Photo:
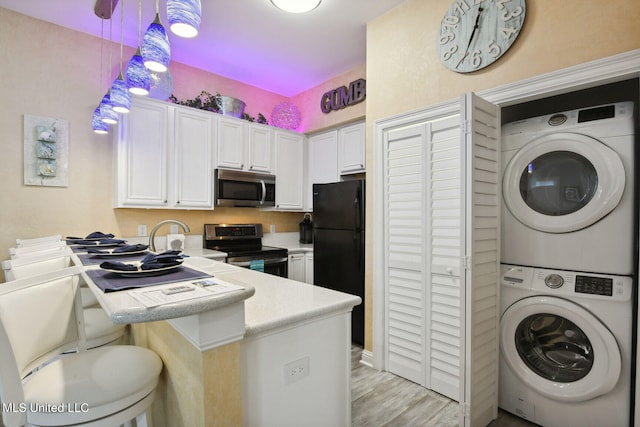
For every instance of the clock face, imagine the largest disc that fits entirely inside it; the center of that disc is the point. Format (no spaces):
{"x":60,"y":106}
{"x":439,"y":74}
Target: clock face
{"x":475,"y":33}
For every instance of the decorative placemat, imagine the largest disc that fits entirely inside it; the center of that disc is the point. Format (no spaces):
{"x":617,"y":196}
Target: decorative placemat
{"x":111,"y":282}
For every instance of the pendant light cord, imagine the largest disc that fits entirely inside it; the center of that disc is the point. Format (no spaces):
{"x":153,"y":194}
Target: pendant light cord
{"x":121,"y":33}
{"x":101,"y":53}
{"x":110,"y":42}
{"x":139,"y":22}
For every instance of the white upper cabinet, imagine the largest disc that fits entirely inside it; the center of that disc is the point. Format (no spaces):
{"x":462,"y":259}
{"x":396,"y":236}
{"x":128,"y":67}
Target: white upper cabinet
{"x":231,"y":142}
{"x":163,"y":157}
{"x":141,"y":149}
{"x":351,"y":149}
{"x":322,"y":162}
{"x":193,"y":158}
{"x":259,"y":152}
{"x":244,"y":146}
{"x":289,"y":170}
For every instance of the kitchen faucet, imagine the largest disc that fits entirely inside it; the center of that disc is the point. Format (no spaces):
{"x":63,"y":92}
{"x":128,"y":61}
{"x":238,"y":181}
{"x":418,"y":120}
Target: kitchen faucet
{"x":152,"y":235}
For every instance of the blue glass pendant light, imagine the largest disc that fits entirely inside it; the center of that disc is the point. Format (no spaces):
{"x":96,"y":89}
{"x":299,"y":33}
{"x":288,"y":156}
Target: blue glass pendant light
{"x":120,"y":96}
{"x":106,"y":110}
{"x":184,"y":17}
{"x":98,"y":125}
{"x":138,"y":77}
{"x":156,"y":51}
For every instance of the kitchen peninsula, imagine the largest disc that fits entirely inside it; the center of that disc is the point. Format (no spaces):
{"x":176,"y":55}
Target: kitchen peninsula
{"x":277,"y":353}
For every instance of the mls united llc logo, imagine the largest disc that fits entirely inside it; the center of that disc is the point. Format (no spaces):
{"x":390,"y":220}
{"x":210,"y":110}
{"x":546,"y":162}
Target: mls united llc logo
{"x":44,"y":407}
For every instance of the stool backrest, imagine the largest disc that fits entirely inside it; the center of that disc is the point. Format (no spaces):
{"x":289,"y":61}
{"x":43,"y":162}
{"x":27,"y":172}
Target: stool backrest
{"x":30,"y":266}
{"x":38,"y":240}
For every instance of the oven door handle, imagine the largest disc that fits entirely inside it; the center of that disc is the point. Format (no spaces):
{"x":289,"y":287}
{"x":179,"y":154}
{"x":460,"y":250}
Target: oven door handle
{"x":266,"y":262}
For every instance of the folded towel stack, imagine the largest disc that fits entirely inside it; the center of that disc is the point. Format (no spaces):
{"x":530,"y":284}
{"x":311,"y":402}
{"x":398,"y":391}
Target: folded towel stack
{"x":150,"y":262}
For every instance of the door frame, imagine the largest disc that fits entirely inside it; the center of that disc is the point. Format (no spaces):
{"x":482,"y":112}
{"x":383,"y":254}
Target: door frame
{"x":595,"y":73}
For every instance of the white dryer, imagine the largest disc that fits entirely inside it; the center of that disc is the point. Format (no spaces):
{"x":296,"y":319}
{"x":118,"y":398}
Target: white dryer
{"x":565,"y":347}
{"x":568,"y":190}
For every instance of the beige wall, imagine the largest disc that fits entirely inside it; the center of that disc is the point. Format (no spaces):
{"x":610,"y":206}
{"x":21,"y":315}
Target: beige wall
{"x":313,"y":119}
{"x":47,"y":70}
{"x":404,"y":72}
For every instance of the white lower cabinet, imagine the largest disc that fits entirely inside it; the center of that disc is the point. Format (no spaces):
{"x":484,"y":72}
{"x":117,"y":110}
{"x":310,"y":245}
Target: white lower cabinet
{"x":301,"y":267}
{"x":298,"y":376}
{"x":163,"y":157}
{"x":308,"y":268}
{"x":296,"y":267}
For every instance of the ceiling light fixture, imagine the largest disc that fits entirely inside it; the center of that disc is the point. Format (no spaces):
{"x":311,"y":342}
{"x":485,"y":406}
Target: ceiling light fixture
{"x":156,"y":51}
{"x":296,"y":6}
{"x":138,"y":77}
{"x":184,"y":17}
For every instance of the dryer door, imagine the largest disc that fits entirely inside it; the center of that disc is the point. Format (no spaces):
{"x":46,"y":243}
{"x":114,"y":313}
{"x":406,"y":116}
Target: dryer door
{"x":559,"y":349}
{"x":563,"y":182}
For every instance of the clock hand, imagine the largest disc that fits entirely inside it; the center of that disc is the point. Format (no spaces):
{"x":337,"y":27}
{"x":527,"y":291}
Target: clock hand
{"x":473,"y":33}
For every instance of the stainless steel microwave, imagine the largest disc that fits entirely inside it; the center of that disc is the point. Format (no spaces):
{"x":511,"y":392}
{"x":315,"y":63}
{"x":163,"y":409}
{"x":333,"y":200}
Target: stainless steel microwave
{"x":245,"y":189}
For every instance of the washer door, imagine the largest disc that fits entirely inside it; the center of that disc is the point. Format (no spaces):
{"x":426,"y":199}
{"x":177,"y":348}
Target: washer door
{"x":559,"y":349}
{"x":563,"y":182}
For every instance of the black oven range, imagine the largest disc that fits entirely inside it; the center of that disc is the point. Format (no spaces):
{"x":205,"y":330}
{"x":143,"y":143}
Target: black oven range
{"x":243,"y":245}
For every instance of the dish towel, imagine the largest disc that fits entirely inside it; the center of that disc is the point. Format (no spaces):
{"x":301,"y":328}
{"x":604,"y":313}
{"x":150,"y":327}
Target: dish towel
{"x":257,"y":265}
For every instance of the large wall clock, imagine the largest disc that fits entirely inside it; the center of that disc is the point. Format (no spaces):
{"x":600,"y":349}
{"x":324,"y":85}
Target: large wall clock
{"x":476,"y":33}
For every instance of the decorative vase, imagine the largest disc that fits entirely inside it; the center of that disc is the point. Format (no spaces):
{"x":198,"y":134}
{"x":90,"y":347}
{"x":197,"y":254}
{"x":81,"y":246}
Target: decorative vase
{"x":230,"y":106}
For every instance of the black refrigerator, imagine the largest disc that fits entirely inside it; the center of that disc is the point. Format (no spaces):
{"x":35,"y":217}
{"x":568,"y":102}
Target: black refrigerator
{"x":338,"y":243}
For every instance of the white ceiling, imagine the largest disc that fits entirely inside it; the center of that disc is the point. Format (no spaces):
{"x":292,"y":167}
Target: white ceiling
{"x":246,"y":40}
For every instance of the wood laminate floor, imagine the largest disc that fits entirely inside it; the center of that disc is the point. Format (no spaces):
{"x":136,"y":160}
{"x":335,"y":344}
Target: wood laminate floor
{"x":382,"y":399}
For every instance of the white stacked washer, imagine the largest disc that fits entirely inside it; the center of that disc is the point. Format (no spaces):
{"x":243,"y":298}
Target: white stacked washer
{"x":568,"y":190}
{"x":565,"y":347}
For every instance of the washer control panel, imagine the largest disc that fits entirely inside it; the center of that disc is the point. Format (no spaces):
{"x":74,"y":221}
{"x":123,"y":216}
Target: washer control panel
{"x":567,"y":283}
{"x":594,"y":285}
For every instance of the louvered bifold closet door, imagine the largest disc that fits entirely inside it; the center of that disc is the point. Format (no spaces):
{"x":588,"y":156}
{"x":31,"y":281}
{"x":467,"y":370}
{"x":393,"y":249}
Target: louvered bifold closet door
{"x":482,"y":234}
{"x":445,"y":251}
{"x":405,"y":245}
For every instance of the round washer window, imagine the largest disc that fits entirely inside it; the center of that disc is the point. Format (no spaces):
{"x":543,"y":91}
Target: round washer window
{"x":558,"y":183}
{"x":554,"y":347}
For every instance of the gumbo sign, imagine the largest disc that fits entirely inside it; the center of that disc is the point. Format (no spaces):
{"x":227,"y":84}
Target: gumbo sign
{"x":342,"y":97}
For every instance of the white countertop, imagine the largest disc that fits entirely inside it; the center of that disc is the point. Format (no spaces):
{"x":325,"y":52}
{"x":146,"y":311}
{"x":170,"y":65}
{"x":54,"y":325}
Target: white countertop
{"x":271,"y":302}
{"x":123,"y":308}
{"x":289,"y":241}
{"x":280,"y":302}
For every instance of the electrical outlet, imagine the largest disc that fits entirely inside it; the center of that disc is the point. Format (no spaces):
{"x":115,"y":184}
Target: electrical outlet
{"x":272,"y":228}
{"x":142,"y":230}
{"x":173,"y":229}
{"x":296,"y":370}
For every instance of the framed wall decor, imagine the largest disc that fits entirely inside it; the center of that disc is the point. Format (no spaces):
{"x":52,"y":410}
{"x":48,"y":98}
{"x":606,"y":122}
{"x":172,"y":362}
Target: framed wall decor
{"x":46,"y":151}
